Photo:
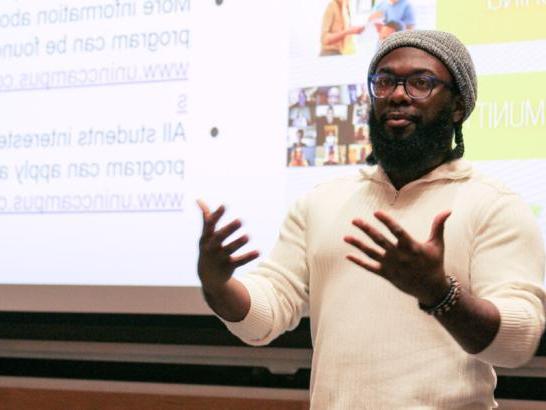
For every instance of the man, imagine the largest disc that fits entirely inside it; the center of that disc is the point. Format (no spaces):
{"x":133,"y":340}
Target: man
{"x":329,"y":128}
{"x":300,"y":143}
{"x":331,"y":158}
{"x":389,"y":28}
{"x":395,"y":15}
{"x":419,"y":275}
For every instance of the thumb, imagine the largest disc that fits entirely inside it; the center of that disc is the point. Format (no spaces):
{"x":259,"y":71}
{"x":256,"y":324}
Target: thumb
{"x":437,"y":230}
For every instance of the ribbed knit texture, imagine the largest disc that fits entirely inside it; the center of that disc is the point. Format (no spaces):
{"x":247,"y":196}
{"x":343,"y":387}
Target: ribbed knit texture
{"x":373,"y":347}
{"x":257,"y":323}
{"x":444,"y":46}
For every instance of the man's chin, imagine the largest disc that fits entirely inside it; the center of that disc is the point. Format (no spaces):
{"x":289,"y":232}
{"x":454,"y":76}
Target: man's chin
{"x":400,"y":130}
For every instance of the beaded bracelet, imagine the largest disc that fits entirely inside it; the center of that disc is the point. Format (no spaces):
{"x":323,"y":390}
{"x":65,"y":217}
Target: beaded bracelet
{"x":448,"y":302}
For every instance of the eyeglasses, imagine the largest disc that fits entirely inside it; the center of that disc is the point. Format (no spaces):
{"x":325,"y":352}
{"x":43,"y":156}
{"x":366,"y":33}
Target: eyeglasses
{"x":417,"y":86}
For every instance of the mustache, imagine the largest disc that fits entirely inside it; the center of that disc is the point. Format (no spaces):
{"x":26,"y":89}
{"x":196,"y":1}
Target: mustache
{"x":398,"y":114}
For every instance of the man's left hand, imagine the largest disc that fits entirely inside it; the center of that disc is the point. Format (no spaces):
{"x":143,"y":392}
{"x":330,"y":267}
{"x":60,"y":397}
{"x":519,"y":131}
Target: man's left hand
{"x":413,"y":267}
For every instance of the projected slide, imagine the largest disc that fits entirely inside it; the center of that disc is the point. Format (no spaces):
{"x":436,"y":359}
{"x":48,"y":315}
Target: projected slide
{"x":118,"y":115}
{"x":329,"y":126}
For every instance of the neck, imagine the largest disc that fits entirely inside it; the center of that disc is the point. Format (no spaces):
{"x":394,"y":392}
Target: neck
{"x":400,"y":178}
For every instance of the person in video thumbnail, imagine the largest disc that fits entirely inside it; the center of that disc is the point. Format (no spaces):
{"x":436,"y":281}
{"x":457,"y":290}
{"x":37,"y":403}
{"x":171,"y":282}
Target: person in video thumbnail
{"x":360,"y":110}
{"x":328,"y":127}
{"x":337,"y":32}
{"x":389,"y":28}
{"x":331,"y":158}
{"x":299,"y":143}
{"x":393,"y":16}
{"x":297,"y":158}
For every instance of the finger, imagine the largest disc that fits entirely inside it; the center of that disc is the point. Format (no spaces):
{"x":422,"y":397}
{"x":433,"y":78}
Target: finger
{"x":438,"y":225}
{"x":205,"y":211}
{"x":216,"y":215}
{"x":211,"y":220}
{"x":236,"y":244}
{"x":373,"y":234}
{"x":372,"y":253}
{"x":372,"y":267}
{"x":404,"y":239}
{"x":241,"y":260}
{"x":204,"y":207}
{"x":221,"y":234}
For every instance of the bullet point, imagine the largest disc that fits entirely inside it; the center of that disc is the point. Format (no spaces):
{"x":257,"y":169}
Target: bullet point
{"x":214,"y":132}
{"x":219,"y":2}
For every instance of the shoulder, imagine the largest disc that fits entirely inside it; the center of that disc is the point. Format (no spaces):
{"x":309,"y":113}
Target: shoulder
{"x":380,"y":6}
{"x":407,"y":7}
{"x":489,"y":187}
{"x":403,"y":4}
{"x":491,"y":199}
{"x":331,"y":8}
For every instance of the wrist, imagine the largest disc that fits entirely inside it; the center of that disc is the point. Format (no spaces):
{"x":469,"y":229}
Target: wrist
{"x":214,"y":288}
{"x":437,"y":293}
{"x":449,"y":300}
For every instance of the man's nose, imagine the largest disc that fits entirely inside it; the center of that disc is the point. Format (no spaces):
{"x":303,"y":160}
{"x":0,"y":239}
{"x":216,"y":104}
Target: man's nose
{"x":399,"y":93}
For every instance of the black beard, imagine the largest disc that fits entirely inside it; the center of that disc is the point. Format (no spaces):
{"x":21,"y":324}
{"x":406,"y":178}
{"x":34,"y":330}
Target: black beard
{"x":428,"y":146}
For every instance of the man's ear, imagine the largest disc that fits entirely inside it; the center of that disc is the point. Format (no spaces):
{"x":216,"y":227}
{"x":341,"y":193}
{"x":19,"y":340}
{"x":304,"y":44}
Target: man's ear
{"x":458,"y":112}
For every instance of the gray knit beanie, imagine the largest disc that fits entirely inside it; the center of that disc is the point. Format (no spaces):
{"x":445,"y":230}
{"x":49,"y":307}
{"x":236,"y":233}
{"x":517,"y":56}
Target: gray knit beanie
{"x":445,"y":47}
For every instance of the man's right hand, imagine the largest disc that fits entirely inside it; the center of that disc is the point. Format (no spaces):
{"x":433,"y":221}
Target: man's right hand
{"x":216,"y":262}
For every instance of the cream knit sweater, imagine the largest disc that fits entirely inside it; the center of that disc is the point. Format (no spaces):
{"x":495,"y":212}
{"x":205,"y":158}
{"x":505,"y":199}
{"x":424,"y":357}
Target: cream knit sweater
{"x":372,"y":346}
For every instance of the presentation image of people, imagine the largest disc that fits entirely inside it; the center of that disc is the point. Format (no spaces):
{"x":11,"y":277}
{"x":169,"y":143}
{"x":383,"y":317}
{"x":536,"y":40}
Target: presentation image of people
{"x":325,"y":28}
{"x":338,"y":116}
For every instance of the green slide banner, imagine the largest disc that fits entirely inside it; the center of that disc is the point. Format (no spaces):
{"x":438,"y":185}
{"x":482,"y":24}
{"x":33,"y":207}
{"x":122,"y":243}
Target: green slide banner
{"x":509,"y":121}
{"x":493,"y":21}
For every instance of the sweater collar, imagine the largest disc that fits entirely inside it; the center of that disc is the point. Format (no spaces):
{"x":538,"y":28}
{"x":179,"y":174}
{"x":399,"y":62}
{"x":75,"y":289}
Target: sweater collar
{"x":453,"y":170}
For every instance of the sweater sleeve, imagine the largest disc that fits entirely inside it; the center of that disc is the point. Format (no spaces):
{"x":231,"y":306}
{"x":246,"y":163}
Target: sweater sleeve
{"x":507,"y":268}
{"x":279,"y":287}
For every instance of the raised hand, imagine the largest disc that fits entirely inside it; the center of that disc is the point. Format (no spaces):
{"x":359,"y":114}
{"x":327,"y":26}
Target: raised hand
{"x":413,"y":267}
{"x":216,"y":262}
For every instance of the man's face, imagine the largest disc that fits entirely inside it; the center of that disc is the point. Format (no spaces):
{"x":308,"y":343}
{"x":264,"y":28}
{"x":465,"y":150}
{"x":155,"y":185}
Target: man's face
{"x":407,"y":132}
{"x":399,"y":113}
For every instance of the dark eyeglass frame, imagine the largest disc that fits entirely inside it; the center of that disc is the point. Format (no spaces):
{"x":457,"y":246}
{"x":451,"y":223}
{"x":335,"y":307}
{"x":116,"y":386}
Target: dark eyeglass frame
{"x":432,"y":80}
